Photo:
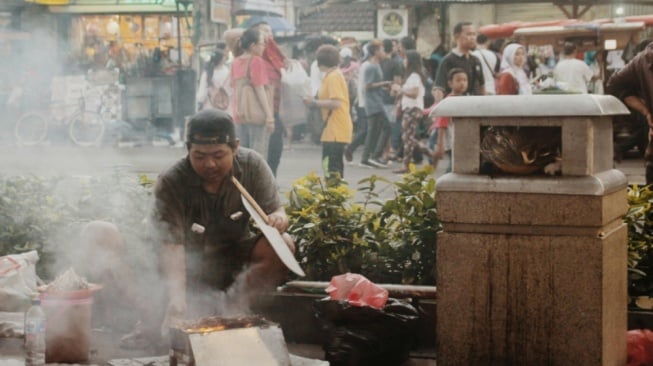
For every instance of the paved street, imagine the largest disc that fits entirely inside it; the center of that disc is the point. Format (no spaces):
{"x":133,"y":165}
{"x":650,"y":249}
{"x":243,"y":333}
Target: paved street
{"x":300,"y":160}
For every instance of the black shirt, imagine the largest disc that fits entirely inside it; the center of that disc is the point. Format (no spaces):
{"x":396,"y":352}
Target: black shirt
{"x":469,"y":63}
{"x":391,"y":68}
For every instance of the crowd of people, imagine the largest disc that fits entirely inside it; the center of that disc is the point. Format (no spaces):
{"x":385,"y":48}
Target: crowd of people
{"x":379,"y":95}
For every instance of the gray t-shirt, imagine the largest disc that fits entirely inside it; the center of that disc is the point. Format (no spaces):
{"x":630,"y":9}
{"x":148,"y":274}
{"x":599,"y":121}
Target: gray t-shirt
{"x":373,"y":97}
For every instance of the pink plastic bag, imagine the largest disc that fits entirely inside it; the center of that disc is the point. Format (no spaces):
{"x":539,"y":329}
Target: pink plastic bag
{"x":357,"y":290}
{"x":640,"y":347}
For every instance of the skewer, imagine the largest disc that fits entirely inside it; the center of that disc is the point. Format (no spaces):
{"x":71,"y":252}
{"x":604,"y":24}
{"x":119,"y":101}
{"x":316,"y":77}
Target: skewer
{"x":250,"y":199}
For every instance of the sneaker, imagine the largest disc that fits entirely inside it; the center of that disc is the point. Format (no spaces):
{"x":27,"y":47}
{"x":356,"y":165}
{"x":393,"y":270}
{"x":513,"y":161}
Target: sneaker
{"x":348,"y":156}
{"x":366,"y":164}
{"x":379,"y":163}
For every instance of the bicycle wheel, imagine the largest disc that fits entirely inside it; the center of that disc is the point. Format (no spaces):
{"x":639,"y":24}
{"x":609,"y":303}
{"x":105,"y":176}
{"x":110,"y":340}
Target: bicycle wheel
{"x":86,"y":129}
{"x":31,"y":129}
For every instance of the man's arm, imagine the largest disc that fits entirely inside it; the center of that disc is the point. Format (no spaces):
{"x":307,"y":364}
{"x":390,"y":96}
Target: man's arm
{"x":167,"y":223}
{"x":638,"y":104}
{"x":173,"y":263}
{"x":370,"y":76}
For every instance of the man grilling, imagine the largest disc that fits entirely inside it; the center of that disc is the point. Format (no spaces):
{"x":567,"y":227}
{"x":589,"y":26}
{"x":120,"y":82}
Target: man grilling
{"x":201,"y":221}
{"x":202,"y":230}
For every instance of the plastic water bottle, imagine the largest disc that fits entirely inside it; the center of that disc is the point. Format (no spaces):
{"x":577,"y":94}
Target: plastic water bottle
{"x":35,"y":334}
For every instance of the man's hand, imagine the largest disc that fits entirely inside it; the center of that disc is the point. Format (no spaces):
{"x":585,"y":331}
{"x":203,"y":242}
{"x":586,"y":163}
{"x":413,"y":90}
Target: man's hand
{"x":278,"y":220}
{"x":175,"y":314}
{"x":309,"y":101}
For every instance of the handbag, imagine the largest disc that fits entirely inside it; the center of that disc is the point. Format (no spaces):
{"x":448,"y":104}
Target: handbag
{"x":248,"y":107}
{"x":218,"y":97}
{"x":295,"y":87}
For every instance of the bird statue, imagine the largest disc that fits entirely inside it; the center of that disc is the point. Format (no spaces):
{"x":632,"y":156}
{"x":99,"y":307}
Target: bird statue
{"x":521,"y":150}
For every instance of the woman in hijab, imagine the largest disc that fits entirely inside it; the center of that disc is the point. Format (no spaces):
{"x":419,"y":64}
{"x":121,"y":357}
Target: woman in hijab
{"x":513,"y":78}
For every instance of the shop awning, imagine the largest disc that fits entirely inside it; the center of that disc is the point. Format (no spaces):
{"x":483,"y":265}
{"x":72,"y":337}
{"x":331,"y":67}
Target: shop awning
{"x":49,"y":2}
{"x":111,"y":6}
{"x":278,"y":24}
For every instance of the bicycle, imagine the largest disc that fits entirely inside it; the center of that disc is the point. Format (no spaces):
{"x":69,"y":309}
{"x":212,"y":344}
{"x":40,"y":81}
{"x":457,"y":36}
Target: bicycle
{"x":84,"y":127}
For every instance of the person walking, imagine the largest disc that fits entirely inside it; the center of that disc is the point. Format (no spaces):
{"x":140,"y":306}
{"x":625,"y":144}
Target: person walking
{"x":275,"y":60}
{"x":333,"y":102}
{"x":251,"y":65}
{"x":412,"y":105}
{"x":441,"y":134}
{"x":378,"y":126}
{"x":212,"y":89}
{"x":513,"y":78}
{"x":461,"y":57}
{"x":392,"y":67}
{"x":634,"y":86}
{"x":490,"y":63}
{"x":361,"y":116}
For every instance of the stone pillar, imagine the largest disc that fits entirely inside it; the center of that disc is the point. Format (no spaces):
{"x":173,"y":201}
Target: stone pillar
{"x":531,"y":270}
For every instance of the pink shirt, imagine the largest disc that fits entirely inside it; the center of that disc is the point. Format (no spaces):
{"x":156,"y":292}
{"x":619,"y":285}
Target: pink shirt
{"x":257,"y":75}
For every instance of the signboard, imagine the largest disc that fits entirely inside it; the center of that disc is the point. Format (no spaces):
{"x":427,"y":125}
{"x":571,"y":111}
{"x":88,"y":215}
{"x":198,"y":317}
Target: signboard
{"x":391,"y":23}
{"x":220,"y":11}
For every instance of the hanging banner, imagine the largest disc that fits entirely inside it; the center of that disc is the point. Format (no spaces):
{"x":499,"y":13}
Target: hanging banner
{"x":220,"y":11}
{"x":391,"y":23}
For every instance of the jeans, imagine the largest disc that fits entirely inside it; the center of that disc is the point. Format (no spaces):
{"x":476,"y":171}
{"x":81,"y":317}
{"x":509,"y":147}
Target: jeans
{"x":275,"y":147}
{"x":332,"y":159}
{"x":378,"y":129}
{"x":361,"y":130}
{"x":255,"y":137}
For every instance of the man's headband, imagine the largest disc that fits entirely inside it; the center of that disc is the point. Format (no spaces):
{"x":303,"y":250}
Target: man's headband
{"x":200,"y":140}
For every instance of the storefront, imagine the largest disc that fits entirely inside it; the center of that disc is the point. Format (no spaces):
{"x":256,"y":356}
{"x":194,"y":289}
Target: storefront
{"x":142,"y":39}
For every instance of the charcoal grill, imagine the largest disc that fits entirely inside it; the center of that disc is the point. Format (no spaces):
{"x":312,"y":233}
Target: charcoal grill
{"x":227,"y":341}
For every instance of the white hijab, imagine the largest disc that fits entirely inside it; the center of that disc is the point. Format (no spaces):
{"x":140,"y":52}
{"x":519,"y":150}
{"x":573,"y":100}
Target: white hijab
{"x":508,"y":65}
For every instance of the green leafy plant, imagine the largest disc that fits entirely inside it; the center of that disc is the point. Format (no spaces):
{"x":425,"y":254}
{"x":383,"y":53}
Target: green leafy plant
{"x":411,"y":221}
{"x":389,"y":241}
{"x":639,"y":219}
{"x":326,"y":227}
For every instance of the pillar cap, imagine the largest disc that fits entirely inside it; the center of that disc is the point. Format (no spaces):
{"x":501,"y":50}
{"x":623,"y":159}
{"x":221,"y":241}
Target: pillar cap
{"x":531,"y":106}
{"x":599,"y":184}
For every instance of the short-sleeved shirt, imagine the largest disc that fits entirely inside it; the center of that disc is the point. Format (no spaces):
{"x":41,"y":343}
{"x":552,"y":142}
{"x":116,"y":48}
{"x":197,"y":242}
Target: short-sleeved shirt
{"x":575,"y":73}
{"x":373,"y":97}
{"x":339,"y":127}
{"x":216,"y":255}
{"x":258,"y":74}
{"x":413,"y":80}
{"x":469,"y":63}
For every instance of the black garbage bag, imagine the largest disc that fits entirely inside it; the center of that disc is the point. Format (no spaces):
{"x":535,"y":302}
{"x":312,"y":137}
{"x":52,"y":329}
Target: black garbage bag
{"x":365,"y":335}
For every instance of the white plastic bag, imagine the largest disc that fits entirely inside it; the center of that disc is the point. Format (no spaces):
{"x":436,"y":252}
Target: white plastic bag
{"x":295,"y":87}
{"x":18,"y":280}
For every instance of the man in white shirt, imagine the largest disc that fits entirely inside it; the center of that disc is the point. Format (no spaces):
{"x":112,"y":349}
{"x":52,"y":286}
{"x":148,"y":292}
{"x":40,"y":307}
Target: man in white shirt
{"x":573,"y":72}
{"x":489,"y":62}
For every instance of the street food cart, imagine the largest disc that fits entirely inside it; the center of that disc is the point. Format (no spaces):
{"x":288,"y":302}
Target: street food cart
{"x":586,"y":36}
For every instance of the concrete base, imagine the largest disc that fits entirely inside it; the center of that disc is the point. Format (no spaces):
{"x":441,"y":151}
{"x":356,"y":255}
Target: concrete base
{"x":531,"y":300}
{"x":531,"y":278}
